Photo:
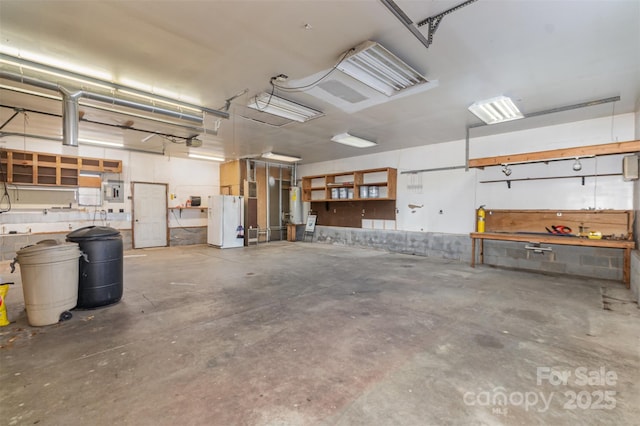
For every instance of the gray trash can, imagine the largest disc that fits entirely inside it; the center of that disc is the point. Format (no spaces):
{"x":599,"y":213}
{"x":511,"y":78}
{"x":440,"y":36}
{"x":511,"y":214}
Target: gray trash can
{"x":49,"y":271}
{"x":100,"y":280}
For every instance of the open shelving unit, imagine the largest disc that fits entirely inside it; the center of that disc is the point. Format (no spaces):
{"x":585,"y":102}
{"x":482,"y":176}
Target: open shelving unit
{"x":36,"y":168}
{"x":347,"y":198}
{"x":350,"y":186}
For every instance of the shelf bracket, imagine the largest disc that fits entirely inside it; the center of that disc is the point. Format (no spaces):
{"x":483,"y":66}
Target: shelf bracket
{"x":582,"y":180}
{"x":17,"y":111}
{"x":508,"y":184}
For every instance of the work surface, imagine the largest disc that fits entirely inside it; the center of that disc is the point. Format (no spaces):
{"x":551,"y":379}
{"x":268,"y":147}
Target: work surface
{"x":308,"y":334}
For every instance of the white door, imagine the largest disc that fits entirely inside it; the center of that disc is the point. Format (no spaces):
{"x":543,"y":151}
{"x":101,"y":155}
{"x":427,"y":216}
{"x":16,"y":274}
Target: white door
{"x":149,"y":215}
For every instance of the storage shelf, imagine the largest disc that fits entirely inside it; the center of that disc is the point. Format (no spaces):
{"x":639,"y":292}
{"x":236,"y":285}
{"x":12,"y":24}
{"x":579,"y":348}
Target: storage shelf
{"x":359,"y":177}
{"x":201,"y":208}
{"x":187,"y":208}
{"x":339,"y":185}
{"x":36,"y":168}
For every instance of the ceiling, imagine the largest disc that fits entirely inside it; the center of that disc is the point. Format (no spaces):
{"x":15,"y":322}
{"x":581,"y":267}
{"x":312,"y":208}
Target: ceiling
{"x":543,"y":54}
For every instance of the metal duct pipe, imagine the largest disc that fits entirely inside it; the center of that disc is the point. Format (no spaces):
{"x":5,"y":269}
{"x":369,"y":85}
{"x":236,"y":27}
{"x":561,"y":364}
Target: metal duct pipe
{"x":70,"y":116}
{"x":143,"y":107}
{"x":97,"y":81}
{"x":201,"y":129}
{"x":28,"y":80}
{"x":102,"y":98}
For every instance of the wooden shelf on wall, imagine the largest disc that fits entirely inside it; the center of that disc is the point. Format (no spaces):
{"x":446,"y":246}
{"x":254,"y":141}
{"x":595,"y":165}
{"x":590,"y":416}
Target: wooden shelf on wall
{"x":346,"y":186}
{"x":43,"y":169}
{"x":541,"y":156}
{"x":329,"y":196}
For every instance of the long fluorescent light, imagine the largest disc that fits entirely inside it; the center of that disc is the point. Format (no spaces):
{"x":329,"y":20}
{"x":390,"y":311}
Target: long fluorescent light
{"x":205,"y":157}
{"x":276,"y":105}
{"x":280,"y":157}
{"x":375,"y":66}
{"x":496,"y":110}
{"x":103,"y":143}
{"x":347,"y":139}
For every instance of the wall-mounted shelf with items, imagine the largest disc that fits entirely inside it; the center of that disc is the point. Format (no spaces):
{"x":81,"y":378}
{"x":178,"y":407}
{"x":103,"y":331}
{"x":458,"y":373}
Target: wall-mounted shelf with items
{"x":362,"y":185}
{"x":201,"y":208}
{"x":36,"y":168}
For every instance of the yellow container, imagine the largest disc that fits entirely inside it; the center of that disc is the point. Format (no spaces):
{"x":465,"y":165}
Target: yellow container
{"x":4,"y":288}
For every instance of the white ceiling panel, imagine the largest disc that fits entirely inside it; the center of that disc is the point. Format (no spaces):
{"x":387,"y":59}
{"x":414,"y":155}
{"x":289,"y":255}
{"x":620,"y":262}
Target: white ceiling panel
{"x":543,"y":54}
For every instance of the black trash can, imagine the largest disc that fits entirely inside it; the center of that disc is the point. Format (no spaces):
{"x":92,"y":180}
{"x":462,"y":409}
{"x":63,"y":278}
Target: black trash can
{"x":100,"y":275}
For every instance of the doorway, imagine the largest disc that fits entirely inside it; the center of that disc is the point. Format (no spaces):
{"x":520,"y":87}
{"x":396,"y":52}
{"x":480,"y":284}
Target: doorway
{"x":149,"y":215}
{"x":272,"y":183}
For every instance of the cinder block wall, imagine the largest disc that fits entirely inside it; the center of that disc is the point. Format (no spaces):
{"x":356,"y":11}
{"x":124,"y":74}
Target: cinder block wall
{"x":594,"y":262}
{"x":572,"y":260}
{"x":445,"y":246}
{"x":187,"y":236}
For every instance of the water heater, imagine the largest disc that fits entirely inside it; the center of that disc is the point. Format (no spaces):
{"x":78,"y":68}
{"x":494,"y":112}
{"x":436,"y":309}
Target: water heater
{"x":295,"y":205}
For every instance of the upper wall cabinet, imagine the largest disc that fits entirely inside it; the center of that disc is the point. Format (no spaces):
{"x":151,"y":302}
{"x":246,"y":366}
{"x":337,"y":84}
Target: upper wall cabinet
{"x":36,"y":168}
{"x":370,"y":184}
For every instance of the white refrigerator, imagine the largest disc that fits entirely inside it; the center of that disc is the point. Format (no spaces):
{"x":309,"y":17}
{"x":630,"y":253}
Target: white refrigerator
{"x":225,"y":215}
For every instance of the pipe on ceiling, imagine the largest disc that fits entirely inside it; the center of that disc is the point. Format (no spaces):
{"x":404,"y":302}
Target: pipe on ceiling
{"x":115,"y":111}
{"x":70,"y":116}
{"x":58,"y":139}
{"x":115,"y":86}
{"x":101,"y":98}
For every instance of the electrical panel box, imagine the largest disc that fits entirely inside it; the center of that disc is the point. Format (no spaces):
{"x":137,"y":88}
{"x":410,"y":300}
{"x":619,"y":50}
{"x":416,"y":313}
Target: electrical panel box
{"x":113,"y":191}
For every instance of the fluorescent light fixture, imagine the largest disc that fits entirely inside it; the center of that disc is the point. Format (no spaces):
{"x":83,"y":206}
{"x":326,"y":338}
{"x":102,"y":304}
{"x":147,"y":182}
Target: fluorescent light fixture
{"x":281,"y":157}
{"x":205,"y":157}
{"x":379,"y":69}
{"x":496,"y":110}
{"x":102,"y":143}
{"x":347,"y":139}
{"x":276,"y":105}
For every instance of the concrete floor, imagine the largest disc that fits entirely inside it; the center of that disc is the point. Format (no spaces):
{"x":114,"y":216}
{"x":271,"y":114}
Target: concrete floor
{"x":308,"y":334}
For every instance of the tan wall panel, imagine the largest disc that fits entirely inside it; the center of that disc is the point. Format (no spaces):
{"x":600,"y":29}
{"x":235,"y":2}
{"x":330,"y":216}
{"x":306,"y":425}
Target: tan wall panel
{"x":230,"y":178}
{"x":261,"y":186}
{"x":89,"y":181}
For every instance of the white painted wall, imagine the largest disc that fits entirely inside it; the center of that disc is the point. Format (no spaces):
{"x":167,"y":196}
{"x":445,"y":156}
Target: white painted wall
{"x":449,"y":198}
{"x":185,"y":177}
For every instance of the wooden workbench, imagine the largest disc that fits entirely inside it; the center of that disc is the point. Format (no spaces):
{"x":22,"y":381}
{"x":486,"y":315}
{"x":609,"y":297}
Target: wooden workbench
{"x":529,"y":226}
